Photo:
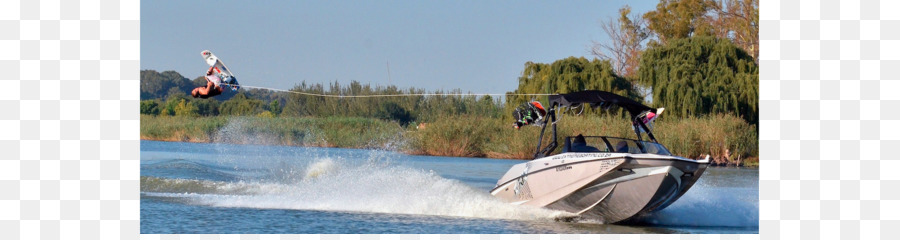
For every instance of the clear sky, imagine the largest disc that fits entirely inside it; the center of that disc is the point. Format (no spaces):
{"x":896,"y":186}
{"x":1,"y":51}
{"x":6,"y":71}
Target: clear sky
{"x":477,"y":46}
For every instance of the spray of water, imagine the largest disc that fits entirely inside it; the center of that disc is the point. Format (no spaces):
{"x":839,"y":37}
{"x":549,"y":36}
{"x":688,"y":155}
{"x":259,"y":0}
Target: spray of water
{"x":374,"y":184}
{"x":333,"y":185}
{"x":704,"y":206}
{"x":241,"y":130}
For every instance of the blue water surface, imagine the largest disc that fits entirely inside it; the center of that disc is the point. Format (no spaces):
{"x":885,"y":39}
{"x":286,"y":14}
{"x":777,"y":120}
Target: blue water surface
{"x":258,"y":189}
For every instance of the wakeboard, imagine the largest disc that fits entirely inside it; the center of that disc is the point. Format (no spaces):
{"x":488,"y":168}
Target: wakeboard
{"x":221,"y":70}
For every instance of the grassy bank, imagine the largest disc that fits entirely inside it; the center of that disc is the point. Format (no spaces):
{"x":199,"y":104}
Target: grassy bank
{"x":728,"y":139}
{"x":344,"y":132}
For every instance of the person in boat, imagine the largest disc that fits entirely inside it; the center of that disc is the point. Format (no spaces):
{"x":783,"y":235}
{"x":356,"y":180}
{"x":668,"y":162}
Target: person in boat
{"x":622,"y":147}
{"x":213,"y":86}
{"x":579,"y":144}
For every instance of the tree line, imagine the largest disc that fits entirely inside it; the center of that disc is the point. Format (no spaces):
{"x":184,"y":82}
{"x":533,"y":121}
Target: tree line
{"x":631,"y":33}
{"x":690,"y":77}
{"x":695,"y":57}
{"x":166,"y":94}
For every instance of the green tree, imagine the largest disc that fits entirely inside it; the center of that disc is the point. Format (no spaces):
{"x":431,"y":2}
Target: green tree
{"x":274,"y":107}
{"x":150,"y":107}
{"x":570,"y":75}
{"x":675,"y":19}
{"x":702,"y":75}
{"x":172,"y":101}
{"x":185,"y":108}
{"x":206,"y":107}
{"x":395,"y":112}
{"x":240,"y":105}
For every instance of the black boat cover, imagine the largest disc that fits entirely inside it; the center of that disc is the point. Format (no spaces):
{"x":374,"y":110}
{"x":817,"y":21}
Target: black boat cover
{"x":598,"y":98}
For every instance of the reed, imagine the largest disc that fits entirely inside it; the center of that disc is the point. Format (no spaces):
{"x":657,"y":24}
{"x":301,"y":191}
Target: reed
{"x":463,"y":136}
{"x":728,"y":139}
{"x":185,"y":129}
{"x":344,"y":132}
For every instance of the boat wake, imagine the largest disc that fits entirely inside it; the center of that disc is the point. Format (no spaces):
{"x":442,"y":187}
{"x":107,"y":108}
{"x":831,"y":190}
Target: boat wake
{"x":375,"y":185}
{"x":704,"y":206}
{"x":338,"y":185}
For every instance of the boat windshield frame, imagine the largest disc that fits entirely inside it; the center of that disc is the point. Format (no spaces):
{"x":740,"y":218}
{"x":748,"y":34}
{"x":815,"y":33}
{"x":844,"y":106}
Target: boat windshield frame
{"x":615,"y":145}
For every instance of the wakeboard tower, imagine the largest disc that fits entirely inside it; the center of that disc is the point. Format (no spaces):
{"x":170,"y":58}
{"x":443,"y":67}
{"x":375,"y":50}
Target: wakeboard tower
{"x":221,"y":70}
{"x":603,"y":178}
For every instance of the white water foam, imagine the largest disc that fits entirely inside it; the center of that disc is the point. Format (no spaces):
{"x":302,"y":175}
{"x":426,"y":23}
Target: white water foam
{"x":704,"y":206}
{"x":322,"y":167}
{"x":375,"y":187}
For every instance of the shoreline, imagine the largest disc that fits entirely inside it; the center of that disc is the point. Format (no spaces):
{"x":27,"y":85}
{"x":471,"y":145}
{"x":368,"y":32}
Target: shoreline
{"x":408,"y":152}
{"x":728,"y":140}
{"x":487,"y":156}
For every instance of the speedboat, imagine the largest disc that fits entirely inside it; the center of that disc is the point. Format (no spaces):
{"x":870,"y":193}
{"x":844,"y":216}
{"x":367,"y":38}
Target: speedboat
{"x":610,"y":179}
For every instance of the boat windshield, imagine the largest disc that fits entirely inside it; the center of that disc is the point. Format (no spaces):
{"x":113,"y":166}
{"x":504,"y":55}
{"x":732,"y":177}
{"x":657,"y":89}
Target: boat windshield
{"x":612,"y":144}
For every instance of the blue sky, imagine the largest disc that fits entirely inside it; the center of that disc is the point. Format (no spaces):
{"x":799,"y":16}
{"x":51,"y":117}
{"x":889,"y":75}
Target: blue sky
{"x":477,"y":46}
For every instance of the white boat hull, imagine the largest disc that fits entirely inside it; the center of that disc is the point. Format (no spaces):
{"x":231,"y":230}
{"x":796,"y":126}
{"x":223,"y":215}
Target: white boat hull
{"x":610,"y":187}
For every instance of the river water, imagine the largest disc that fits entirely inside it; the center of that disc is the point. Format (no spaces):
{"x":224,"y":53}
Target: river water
{"x":227,"y":188}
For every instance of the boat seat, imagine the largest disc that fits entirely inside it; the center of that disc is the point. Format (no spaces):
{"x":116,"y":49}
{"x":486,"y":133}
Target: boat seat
{"x":622,"y":147}
{"x":584,"y":148}
{"x":580,"y":145}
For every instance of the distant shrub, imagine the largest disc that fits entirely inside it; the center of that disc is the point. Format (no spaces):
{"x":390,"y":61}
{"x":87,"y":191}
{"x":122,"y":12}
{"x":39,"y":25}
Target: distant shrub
{"x":266,"y":114}
{"x":186,"y":109}
{"x":150,"y":107}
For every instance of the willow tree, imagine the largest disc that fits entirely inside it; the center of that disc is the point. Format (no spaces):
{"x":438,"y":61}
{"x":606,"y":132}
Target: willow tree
{"x":570,"y":75}
{"x":702,"y":75}
{"x":737,"y":20}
